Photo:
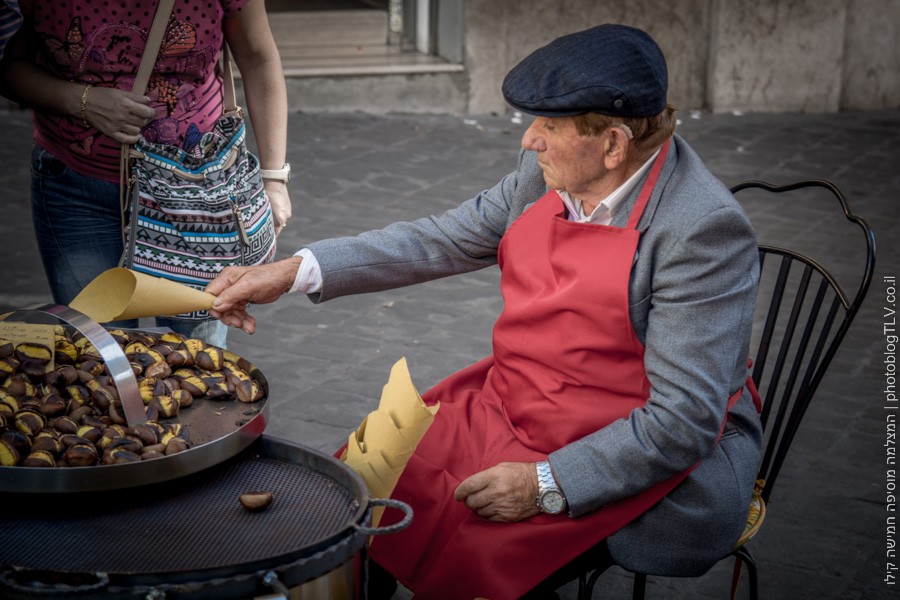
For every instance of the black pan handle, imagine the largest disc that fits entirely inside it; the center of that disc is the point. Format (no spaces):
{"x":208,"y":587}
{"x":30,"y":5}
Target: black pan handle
{"x":390,"y":503}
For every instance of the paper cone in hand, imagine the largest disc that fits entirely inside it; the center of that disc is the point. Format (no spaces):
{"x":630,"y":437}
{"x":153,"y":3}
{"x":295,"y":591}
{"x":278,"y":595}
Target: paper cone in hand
{"x":125,"y":294}
{"x":380,"y":448}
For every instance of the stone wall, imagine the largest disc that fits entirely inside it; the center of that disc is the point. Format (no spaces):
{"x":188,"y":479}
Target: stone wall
{"x":870,"y":78}
{"x":777,"y":55}
{"x":724,"y":55}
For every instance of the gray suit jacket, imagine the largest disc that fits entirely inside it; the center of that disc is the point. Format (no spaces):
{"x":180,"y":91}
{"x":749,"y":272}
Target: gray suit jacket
{"x":692,"y":294}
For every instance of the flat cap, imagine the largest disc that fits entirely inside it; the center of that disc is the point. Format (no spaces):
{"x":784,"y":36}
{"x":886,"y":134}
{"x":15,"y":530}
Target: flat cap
{"x":610,"y":69}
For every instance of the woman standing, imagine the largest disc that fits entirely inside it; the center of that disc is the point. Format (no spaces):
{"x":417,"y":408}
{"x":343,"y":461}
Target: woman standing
{"x":74,"y":65}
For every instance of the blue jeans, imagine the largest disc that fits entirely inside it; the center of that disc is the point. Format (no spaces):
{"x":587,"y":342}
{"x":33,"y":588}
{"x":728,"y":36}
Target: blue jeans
{"x":78,"y":226}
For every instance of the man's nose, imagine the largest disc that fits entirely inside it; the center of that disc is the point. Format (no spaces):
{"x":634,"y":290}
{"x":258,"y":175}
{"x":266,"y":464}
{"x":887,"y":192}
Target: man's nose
{"x":531,"y":140}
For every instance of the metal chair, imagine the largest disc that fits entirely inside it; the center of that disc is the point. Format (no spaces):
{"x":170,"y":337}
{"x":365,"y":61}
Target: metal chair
{"x":806,"y":315}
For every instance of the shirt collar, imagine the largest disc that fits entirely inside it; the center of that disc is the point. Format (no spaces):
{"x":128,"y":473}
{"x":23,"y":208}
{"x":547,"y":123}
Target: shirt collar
{"x":603,"y":213}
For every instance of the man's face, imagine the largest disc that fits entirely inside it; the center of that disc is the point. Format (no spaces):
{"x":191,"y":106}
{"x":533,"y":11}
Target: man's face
{"x":570,"y":161}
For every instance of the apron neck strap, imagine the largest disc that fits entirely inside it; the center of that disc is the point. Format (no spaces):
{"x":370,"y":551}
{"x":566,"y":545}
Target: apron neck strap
{"x":649,"y":184}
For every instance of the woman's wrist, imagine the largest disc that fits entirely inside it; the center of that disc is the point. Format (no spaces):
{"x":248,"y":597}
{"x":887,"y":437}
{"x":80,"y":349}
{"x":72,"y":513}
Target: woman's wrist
{"x":82,"y":107}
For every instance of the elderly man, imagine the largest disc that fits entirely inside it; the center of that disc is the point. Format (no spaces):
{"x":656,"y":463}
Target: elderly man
{"x":612,"y":417}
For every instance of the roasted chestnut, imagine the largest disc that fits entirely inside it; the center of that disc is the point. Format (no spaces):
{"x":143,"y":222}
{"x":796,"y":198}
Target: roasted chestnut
{"x":210,"y":358}
{"x":122,"y":338}
{"x":78,"y":413}
{"x":48,"y":441}
{"x":64,"y":425}
{"x":176,"y":445}
{"x":158,"y":370}
{"x":131,"y":444}
{"x":19,"y":385}
{"x":70,"y":439}
{"x":180,"y":358}
{"x":183,"y":397}
{"x":18,"y":440}
{"x":116,"y":456}
{"x":166,"y":406}
{"x":53,"y":405}
{"x":65,"y":352}
{"x":78,"y":394}
{"x":9,"y":456}
{"x":61,"y":377}
{"x":256,"y":501}
{"x":193,"y":384}
{"x":36,"y":352}
{"x":93,"y":420}
{"x":145,"y":432}
{"x":219,"y":391}
{"x":39,"y":458}
{"x":151,"y":454}
{"x":80,"y":455}
{"x":30,"y":422}
{"x":116,"y":413}
{"x":8,"y":365}
{"x":102,"y":398}
{"x":90,"y":433}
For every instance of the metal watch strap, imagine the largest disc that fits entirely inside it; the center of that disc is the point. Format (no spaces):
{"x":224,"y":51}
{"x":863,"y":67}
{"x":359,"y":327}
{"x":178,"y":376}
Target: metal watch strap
{"x":547,"y":486}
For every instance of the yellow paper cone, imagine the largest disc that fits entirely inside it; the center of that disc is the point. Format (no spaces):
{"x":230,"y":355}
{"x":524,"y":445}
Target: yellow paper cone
{"x":371,"y":467}
{"x":382,"y":445}
{"x":401,"y":399}
{"x":125,"y":294}
{"x":382,"y":433}
{"x":354,"y":449}
{"x":384,"y":472}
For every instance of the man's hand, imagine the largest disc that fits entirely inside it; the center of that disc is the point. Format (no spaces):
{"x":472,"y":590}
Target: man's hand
{"x":236,"y":287}
{"x":504,"y":493}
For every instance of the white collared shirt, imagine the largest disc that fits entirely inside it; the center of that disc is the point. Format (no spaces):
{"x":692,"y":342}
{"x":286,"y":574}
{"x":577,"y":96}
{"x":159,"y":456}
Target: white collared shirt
{"x":604,"y":212}
{"x":309,"y":275}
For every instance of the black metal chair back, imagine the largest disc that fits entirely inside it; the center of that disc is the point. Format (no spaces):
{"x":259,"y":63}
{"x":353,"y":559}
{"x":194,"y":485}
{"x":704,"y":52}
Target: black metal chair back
{"x":806,"y":313}
{"x":802,"y":315}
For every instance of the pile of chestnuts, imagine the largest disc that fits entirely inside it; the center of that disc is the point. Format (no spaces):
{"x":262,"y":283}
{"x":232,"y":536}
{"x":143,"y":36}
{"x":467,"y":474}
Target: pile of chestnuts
{"x":71,"y":415}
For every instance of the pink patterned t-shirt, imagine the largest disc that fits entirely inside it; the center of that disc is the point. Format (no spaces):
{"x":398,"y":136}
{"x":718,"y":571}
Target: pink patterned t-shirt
{"x":101,"y":42}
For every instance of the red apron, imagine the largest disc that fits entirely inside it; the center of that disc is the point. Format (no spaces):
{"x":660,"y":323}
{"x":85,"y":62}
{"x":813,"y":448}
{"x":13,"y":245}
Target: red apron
{"x":566,"y":362}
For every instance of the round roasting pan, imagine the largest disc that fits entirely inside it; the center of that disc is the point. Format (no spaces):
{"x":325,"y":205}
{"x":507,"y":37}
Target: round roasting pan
{"x":191,"y":539}
{"x":218,"y":429}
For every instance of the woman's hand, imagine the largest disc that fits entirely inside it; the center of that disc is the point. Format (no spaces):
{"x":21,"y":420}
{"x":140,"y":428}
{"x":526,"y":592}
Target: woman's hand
{"x":119,"y":114}
{"x":281,"y":202}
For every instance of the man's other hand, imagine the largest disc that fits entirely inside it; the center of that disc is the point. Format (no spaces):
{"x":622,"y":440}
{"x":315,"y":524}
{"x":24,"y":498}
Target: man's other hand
{"x":504,"y":493}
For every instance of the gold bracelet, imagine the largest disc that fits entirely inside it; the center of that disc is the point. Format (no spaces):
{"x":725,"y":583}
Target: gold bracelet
{"x":84,"y":97}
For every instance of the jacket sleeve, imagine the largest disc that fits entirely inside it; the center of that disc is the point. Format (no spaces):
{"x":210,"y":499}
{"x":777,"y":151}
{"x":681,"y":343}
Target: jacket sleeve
{"x":699,"y":309}
{"x":460,"y":240}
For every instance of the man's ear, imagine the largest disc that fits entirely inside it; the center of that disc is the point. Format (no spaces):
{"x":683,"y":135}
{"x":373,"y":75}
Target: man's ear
{"x":615,"y":148}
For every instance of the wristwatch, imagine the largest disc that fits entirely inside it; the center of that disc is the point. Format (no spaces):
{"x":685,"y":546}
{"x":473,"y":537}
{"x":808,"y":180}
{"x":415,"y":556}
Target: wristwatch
{"x":282,"y":174}
{"x":550,"y":498}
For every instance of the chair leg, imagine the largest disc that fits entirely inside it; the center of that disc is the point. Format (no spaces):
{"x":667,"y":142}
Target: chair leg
{"x":582,"y":588}
{"x":586,"y":585}
{"x":742,"y":555}
{"x":736,"y":575}
{"x":586,"y":589}
{"x":640,"y":586}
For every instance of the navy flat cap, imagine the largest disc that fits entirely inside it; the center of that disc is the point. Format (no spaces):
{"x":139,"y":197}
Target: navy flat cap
{"x":610,"y":69}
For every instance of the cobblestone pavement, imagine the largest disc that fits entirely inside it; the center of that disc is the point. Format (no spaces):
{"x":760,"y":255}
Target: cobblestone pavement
{"x":826,"y":536}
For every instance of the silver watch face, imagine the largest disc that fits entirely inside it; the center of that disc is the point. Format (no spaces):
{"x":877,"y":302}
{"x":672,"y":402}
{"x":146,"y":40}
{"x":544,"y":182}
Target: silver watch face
{"x":552,"y":502}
